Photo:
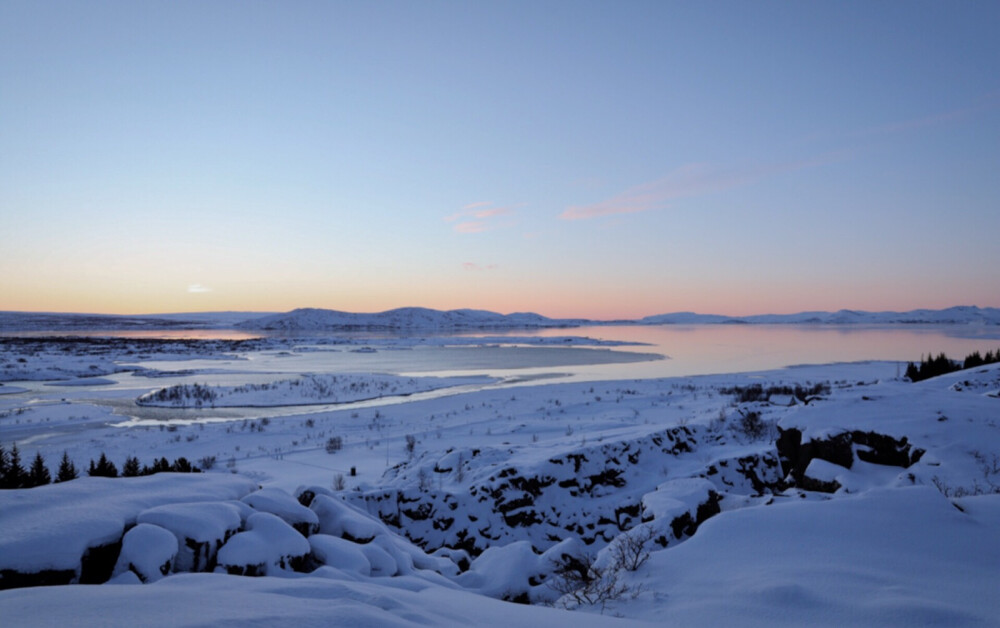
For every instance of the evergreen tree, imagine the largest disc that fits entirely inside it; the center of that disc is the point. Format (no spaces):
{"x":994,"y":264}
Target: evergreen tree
{"x":16,"y":476}
{"x":39,"y":474}
{"x":159,"y":466}
{"x":67,"y":470}
{"x":3,"y":467}
{"x":973,"y":360}
{"x":181,"y":465}
{"x":103,"y":468}
{"x":131,"y":467}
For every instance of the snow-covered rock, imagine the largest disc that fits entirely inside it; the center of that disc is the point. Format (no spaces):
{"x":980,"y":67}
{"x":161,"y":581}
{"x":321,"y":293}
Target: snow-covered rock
{"x":55,"y":533}
{"x":516,"y":572}
{"x":200,"y":528}
{"x":280,"y":503}
{"x":679,"y":506}
{"x":338,"y":518}
{"x":148,"y":551}
{"x":339,"y":553}
{"x":269,"y":544}
{"x":592,"y":493}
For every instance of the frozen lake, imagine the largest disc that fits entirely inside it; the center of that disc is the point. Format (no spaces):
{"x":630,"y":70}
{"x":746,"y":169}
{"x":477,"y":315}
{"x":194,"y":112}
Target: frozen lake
{"x":665,"y":351}
{"x":707,"y":349}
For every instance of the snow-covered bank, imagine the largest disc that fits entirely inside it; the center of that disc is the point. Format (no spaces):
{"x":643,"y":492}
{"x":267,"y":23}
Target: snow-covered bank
{"x":306,"y":390}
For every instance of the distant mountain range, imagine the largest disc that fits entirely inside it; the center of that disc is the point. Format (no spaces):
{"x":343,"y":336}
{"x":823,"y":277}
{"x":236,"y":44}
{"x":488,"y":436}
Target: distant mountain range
{"x":408,"y":318}
{"x":416,"y":318}
{"x":960,"y":315}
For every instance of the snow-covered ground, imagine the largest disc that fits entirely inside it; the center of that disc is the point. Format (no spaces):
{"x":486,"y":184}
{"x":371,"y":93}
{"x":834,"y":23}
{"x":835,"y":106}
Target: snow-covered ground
{"x":836,"y":495}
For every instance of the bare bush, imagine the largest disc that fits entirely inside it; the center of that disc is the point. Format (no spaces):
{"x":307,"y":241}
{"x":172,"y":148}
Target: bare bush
{"x":630,"y":550}
{"x":423,"y":480}
{"x":334,"y":444}
{"x":718,"y":423}
{"x":339,"y":483}
{"x":580,"y":582}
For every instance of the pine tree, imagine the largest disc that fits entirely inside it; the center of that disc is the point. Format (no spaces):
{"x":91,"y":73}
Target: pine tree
{"x":160,"y":466}
{"x":16,"y":476}
{"x":3,"y":467}
{"x":103,"y":468}
{"x":131,"y":467}
{"x":39,"y":474}
{"x":67,"y":470}
{"x":181,"y":465}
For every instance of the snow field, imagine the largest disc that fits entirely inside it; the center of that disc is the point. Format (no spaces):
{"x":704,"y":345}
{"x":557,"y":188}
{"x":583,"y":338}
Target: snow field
{"x":536,"y":474}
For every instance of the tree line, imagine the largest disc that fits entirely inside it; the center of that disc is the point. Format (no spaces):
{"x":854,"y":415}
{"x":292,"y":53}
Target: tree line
{"x":932,"y":366}
{"x":14,"y":475}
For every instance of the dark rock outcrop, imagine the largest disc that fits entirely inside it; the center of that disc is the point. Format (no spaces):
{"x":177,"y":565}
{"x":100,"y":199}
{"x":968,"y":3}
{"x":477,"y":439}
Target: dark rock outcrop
{"x":840,"y":449}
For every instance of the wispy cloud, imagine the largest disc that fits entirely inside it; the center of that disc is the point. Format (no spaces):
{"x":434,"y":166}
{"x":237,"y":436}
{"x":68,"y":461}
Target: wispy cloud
{"x":472,"y":226}
{"x":477,"y":217}
{"x":688,"y":180}
{"x":991,"y":101}
{"x":696,"y":179}
{"x":473,"y":267}
{"x":198,"y":288}
{"x":475,"y":211}
{"x":471,"y":206}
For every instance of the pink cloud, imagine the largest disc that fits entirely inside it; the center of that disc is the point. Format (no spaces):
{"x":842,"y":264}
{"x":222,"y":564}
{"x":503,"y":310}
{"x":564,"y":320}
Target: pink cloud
{"x":473,"y":267}
{"x":471,"y":226}
{"x":475,"y":212}
{"x":477,"y":204}
{"x":687,"y":181}
{"x":476,"y":217}
{"x":992,"y":101}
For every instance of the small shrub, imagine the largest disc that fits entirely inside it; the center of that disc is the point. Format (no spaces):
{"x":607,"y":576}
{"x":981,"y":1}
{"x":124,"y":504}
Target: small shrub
{"x":751,"y":425}
{"x":334,"y":444}
{"x":424,"y":480}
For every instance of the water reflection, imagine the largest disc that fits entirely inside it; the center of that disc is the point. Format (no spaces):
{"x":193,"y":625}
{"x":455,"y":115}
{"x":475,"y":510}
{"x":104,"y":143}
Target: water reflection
{"x":705,"y":349}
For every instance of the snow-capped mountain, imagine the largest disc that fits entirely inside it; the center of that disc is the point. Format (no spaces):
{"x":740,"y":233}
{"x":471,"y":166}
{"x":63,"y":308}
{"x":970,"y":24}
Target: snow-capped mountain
{"x":425,"y":319}
{"x":959,"y":315}
{"x":69,"y":322}
{"x":411,"y":318}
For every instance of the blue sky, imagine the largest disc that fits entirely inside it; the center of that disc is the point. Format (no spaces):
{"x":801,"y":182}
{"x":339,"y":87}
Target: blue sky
{"x":571,"y":158}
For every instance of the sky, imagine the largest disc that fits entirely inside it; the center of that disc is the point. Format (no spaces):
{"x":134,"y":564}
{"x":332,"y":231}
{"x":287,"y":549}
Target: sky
{"x":576,"y":159}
